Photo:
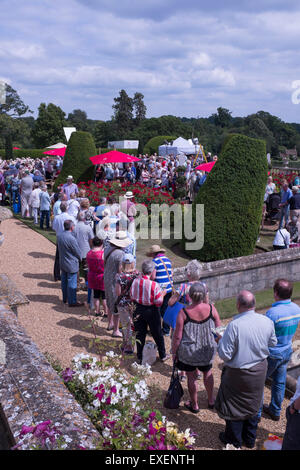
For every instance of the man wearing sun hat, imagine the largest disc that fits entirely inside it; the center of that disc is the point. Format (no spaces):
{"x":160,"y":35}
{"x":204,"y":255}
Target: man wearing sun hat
{"x":70,"y":187}
{"x":128,"y":208}
{"x":163,"y":269}
{"x":113,"y":255}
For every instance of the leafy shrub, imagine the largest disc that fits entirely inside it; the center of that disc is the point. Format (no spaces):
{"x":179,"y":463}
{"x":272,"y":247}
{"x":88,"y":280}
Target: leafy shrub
{"x":25,"y":153}
{"x":152,"y":145}
{"x":233,"y":198}
{"x":77,"y":161}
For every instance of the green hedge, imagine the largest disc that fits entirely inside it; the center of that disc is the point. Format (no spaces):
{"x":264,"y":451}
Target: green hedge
{"x":77,"y":161}
{"x":152,"y":145}
{"x":233,"y":196}
{"x":25,"y":153}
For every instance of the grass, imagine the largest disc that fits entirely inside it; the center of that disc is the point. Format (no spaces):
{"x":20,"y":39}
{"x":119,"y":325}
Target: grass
{"x":264,"y":299}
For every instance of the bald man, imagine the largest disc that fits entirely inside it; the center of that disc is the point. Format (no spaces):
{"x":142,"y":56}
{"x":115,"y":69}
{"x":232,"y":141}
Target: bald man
{"x":244,"y":349}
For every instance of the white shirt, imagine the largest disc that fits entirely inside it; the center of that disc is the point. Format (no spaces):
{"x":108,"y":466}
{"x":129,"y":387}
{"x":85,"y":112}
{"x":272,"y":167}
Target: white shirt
{"x":282,"y":238}
{"x":73,"y":207}
{"x":34,"y":199}
{"x":58,"y":222}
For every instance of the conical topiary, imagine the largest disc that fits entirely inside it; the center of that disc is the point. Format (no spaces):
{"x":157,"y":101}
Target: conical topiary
{"x":77,"y":161}
{"x":233,"y":195}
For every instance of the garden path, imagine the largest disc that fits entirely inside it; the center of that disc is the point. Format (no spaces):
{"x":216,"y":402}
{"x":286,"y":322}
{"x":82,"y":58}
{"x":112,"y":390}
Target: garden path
{"x":27,"y":258}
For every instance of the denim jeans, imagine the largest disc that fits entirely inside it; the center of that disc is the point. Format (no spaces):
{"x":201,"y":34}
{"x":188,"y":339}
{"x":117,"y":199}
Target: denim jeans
{"x":69,"y":287}
{"x":284,"y":214}
{"x":277,"y":367}
{"x":44,"y":215}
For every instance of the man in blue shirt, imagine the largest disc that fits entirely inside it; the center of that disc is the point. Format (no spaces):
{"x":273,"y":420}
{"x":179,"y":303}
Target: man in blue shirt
{"x":286,"y":315}
{"x":163,"y":270}
{"x":286,"y":195}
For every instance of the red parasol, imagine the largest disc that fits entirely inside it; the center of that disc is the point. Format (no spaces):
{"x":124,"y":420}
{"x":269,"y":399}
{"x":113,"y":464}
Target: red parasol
{"x":206,"y":166}
{"x":56,"y":152}
{"x":113,"y":157}
{"x":16,"y":148}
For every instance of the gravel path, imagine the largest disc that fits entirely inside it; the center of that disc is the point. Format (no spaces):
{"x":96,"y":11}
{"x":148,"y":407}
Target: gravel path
{"x":28,"y":258}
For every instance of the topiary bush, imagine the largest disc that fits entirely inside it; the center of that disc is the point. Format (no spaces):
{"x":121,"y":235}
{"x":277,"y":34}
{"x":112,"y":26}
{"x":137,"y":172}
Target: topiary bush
{"x":152,"y":145}
{"x":77,"y":161}
{"x":233,"y":195}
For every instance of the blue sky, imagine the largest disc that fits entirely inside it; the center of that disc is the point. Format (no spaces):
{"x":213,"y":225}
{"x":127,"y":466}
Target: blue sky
{"x":187,"y":58}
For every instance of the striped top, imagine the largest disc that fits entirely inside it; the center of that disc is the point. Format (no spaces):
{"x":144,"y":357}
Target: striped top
{"x":146,"y":292}
{"x":286,"y":315}
{"x":162,"y":276}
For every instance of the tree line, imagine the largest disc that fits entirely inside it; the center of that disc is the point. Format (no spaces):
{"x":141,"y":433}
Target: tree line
{"x":129,"y":122}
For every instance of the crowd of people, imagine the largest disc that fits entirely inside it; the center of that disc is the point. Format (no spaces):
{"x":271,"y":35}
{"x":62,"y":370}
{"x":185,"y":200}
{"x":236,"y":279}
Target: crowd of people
{"x":284,"y":209}
{"x":98,"y":244}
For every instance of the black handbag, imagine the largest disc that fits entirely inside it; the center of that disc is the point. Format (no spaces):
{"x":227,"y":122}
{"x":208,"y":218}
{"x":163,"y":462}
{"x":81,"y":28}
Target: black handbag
{"x":175,"y":391}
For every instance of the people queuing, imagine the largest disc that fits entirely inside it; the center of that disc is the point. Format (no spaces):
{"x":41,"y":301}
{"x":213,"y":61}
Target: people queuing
{"x":99,"y":244}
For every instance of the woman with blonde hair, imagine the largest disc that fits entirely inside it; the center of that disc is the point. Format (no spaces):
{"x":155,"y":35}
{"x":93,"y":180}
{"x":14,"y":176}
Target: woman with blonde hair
{"x":125,"y":307}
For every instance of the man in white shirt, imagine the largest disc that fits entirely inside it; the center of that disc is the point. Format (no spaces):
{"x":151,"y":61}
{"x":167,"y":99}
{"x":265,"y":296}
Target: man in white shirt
{"x":244,"y":349}
{"x":34,"y":202}
{"x":282,"y":239}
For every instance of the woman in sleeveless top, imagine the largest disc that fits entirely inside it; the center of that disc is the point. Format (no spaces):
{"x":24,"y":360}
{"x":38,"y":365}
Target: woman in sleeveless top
{"x":194,"y":346}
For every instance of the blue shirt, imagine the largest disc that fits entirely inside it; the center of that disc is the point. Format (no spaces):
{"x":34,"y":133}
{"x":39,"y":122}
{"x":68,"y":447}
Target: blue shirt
{"x":44,"y":201}
{"x":286,"y":195}
{"x":162,"y":276}
{"x":285,"y":315}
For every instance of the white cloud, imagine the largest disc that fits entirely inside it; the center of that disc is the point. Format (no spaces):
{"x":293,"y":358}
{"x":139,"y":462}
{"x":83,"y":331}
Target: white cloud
{"x":21,"y":50}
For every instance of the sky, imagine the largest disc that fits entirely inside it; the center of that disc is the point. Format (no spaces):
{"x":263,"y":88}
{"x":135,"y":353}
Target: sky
{"x":186,"y":57}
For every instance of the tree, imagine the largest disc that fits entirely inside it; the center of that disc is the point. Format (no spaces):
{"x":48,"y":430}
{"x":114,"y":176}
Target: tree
{"x":123,"y":114}
{"x":78,"y":119}
{"x":139,"y":108}
{"x":77,"y":162}
{"x":48,"y":129}
{"x":12,"y":108}
{"x":223,"y":117}
{"x":233,"y":195}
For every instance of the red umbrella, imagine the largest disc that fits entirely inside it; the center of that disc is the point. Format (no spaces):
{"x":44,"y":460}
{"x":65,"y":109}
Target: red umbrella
{"x":57,"y":152}
{"x":16,"y":148}
{"x":113,"y":157}
{"x":206,"y":166}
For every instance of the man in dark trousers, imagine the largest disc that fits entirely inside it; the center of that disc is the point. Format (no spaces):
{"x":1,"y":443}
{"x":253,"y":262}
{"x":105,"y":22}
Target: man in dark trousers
{"x":69,"y":258}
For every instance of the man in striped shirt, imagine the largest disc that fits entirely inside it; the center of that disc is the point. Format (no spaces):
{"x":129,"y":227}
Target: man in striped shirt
{"x":286,"y":315}
{"x":163,"y":268}
{"x":149,"y":297}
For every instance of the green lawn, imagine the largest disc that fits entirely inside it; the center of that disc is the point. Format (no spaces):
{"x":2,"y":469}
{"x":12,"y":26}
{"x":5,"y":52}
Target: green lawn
{"x":264,"y":299}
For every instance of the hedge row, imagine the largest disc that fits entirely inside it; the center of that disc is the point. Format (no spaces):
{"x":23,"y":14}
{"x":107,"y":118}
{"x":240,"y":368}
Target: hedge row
{"x":25,"y":153}
{"x":38,"y":153}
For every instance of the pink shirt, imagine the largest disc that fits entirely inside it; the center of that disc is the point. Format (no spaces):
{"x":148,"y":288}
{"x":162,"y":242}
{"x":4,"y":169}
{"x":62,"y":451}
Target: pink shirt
{"x":95,"y":262}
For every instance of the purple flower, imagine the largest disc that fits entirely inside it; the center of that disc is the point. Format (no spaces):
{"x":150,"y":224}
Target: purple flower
{"x":26,"y":430}
{"x":67,"y":374}
{"x":113,"y":389}
{"x":108,"y":400}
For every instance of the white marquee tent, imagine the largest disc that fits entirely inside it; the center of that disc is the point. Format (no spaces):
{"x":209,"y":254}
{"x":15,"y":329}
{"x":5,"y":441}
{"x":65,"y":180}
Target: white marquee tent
{"x":178,"y":147}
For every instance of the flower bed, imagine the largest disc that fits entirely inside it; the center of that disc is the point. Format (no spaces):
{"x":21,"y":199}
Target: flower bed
{"x":143,"y":194}
{"x":279,"y":176}
{"x":118,"y":404}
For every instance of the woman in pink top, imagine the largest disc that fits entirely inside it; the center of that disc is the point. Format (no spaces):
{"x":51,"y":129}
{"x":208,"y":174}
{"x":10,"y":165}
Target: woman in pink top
{"x":95,"y":262}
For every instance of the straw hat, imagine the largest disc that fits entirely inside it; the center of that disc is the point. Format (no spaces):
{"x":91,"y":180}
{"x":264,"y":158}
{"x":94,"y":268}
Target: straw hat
{"x":128,"y":195}
{"x":121,"y":239}
{"x":155,"y":249}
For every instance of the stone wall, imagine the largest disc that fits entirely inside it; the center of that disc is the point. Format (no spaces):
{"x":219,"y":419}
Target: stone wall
{"x":257,"y":272}
{"x":31,"y":391}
